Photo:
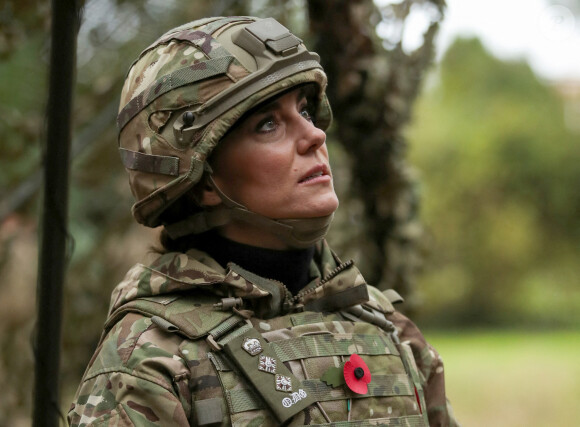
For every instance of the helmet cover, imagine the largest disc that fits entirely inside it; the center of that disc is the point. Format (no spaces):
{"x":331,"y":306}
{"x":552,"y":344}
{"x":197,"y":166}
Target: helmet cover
{"x":187,"y":89}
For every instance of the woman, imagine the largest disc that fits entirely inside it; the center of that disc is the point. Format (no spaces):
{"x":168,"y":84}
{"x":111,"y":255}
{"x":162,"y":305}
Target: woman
{"x":247,"y":318}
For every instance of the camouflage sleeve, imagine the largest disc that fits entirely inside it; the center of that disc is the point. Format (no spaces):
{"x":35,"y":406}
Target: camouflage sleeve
{"x":135,"y":378}
{"x":430,"y":366}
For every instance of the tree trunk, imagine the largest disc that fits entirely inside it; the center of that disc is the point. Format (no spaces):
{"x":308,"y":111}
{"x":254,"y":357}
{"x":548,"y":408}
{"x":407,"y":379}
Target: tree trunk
{"x":372,"y":89}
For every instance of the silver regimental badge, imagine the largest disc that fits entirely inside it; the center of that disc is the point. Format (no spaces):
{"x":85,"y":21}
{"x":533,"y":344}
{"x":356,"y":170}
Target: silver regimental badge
{"x":252,"y":346}
{"x":267,"y":364}
{"x":283,"y":383}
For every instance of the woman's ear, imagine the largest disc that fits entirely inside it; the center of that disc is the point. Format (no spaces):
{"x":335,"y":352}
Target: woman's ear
{"x":208,"y":197}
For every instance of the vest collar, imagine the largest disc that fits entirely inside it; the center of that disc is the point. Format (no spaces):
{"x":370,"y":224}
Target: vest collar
{"x":336,"y":285}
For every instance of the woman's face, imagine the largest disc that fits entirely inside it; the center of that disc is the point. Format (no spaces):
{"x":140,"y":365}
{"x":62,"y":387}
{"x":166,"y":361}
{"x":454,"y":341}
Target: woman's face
{"x":275,"y":162}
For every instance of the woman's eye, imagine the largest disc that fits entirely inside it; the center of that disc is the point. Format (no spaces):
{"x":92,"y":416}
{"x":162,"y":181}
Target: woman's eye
{"x":306,"y":113}
{"x":267,"y":125}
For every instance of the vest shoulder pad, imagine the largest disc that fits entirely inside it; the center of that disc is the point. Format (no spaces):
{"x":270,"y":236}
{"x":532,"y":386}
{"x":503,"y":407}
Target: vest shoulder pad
{"x":191,"y":315}
{"x":393,"y":296}
{"x":380,"y":301}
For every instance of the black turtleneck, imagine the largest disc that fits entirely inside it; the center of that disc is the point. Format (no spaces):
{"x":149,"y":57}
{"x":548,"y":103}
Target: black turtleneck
{"x":291,"y":267}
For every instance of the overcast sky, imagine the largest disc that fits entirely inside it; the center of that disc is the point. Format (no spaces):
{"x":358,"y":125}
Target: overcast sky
{"x":546,"y":34}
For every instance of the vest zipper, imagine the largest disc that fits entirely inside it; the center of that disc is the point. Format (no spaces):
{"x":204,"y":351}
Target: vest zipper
{"x":290,"y":300}
{"x":340,"y":268}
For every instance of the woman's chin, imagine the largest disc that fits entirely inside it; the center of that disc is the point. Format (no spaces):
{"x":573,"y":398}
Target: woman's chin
{"x":320,"y":210}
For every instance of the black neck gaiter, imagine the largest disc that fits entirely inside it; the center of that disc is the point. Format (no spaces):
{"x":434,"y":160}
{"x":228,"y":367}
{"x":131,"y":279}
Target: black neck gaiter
{"x":291,"y":267}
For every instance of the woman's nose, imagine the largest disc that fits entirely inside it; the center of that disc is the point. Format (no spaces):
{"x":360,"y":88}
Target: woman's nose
{"x":311,"y":138}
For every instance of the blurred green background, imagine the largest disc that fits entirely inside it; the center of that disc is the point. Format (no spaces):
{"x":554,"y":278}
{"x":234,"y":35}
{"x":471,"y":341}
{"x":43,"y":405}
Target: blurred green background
{"x":499,"y":177}
{"x":492,"y":151}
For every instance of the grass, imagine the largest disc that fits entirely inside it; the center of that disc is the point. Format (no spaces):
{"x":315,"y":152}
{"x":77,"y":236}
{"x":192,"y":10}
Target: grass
{"x":512,"y":378}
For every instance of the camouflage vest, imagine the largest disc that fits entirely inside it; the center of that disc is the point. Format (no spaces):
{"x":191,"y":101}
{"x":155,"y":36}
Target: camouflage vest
{"x":270,"y":370}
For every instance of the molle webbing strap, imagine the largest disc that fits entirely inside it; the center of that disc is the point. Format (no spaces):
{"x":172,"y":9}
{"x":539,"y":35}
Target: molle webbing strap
{"x":380,"y":386}
{"x":321,"y":345}
{"x":181,"y":77}
{"x":235,"y":334}
{"x":406,"y":421}
{"x":225,"y":327}
{"x":219,"y":361}
{"x":150,"y":163}
{"x":411,"y":367}
{"x":208,"y":411}
{"x":229,"y":329}
{"x":241,"y":400}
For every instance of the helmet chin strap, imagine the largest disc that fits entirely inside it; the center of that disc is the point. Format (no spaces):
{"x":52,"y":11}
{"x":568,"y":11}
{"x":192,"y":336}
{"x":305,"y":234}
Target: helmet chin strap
{"x":296,"y":233}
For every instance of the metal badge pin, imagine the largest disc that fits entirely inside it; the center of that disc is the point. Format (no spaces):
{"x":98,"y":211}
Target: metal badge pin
{"x":283,"y":383}
{"x":252,"y":346}
{"x":267,"y":364}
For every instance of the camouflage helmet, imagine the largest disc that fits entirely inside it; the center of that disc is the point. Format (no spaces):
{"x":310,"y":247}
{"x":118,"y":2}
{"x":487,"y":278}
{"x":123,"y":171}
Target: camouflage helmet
{"x":189,"y":87}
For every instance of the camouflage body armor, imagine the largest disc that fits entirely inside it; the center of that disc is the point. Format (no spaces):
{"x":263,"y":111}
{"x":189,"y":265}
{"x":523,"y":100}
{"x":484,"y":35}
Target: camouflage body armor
{"x":190,"y":343}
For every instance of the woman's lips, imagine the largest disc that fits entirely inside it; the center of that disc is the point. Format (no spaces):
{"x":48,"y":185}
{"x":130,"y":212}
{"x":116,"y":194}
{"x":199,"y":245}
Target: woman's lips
{"x":316,"y":174}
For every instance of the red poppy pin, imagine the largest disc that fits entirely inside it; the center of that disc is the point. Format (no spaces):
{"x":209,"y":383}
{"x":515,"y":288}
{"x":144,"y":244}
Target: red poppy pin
{"x":357,"y":374}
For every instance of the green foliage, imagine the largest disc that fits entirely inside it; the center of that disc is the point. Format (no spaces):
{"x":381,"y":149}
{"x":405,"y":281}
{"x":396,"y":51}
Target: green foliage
{"x":499,"y":180}
{"x":22,"y":100}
